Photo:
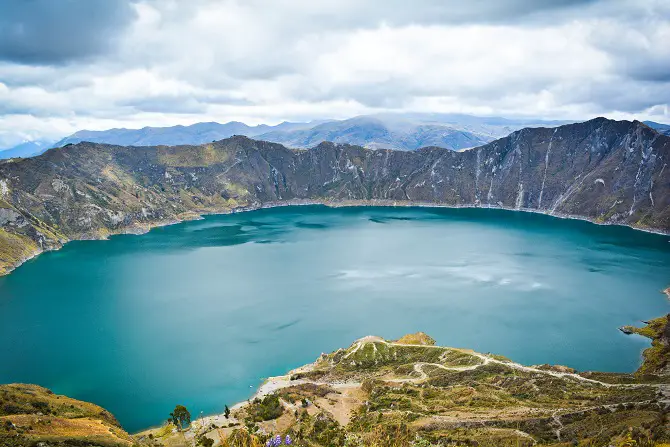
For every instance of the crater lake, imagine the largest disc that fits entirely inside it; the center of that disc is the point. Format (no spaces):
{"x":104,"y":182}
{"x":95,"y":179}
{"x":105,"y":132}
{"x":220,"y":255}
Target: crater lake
{"x":200,"y":312}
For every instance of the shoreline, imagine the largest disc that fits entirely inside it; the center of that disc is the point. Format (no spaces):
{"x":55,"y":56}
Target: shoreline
{"x":269,"y":386}
{"x":276,"y":383}
{"x":143,"y":228}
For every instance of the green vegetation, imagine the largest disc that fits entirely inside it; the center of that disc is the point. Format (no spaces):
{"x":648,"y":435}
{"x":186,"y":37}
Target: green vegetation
{"x":241,"y":438}
{"x":18,"y":399}
{"x":380,"y":357}
{"x":192,"y":156}
{"x":31,"y":415}
{"x":657,"y":357}
{"x":265,"y":409}
{"x":180,"y":417}
{"x":204,"y":441}
{"x":419,"y":338}
{"x":13,"y":247}
{"x":311,"y":391}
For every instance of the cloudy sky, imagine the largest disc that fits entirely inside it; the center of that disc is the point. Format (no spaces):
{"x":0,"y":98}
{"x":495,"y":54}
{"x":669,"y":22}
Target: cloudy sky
{"x":66,"y":65}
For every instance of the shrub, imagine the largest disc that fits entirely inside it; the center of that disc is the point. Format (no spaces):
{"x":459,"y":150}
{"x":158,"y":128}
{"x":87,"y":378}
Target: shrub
{"x":266,"y":409}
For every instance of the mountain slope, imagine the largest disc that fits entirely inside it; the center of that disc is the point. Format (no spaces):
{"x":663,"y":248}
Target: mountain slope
{"x":153,"y":136}
{"x":390,"y":131}
{"x":375,"y":133}
{"x":31,"y":415}
{"x":602,"y":170}
{"x":406,"y":131}
{"x":658,"y":127}
{"x":27,"y":149}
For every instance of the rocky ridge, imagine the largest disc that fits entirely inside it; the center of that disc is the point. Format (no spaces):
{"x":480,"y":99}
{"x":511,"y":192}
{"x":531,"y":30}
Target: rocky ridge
{"x":612,"y":172}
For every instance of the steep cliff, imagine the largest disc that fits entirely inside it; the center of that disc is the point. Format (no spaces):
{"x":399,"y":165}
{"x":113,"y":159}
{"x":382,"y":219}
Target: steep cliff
{"x":606,"y":171}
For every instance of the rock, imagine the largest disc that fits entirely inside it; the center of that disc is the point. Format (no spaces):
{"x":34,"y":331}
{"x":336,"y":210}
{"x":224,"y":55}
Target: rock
{"x":9,"y":216}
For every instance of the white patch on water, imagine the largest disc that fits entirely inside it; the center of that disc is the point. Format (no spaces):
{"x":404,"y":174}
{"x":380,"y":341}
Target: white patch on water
{"x":492,"y":275}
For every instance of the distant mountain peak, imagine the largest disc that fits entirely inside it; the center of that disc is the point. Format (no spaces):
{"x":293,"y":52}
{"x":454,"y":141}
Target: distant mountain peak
{"x":378,"y":131}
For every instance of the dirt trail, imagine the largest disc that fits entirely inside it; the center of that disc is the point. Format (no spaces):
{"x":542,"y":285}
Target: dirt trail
{"x":274,"y":384}
{"x":488,"y":359}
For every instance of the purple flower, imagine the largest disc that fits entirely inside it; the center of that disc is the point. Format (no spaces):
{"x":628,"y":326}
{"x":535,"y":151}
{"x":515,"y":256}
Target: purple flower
{"x":269,"y":443}
{"x":288,"y":441}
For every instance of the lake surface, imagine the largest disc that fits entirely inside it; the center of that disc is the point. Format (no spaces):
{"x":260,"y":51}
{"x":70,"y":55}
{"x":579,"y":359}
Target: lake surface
{"x":198,"y":313}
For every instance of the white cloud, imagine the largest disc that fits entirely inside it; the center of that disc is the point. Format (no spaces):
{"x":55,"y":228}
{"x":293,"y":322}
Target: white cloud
{"x":260,"y":61}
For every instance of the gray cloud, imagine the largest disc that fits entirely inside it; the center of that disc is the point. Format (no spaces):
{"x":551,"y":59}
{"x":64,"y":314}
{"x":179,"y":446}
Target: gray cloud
{"x":60,"y":31}
{"x":71,"y":64}
{"x":347,"y":14}
{"x":183,"y":104}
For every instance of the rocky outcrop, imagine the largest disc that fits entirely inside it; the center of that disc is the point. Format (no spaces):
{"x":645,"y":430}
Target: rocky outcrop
{"x":657,"y":357}
{"x":602,"y":170}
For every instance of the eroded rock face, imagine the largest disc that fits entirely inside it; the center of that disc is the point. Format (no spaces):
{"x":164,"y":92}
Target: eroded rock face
{"x":9,"y":217}
{"x":602,"y":170}
{"x":4,"y":188}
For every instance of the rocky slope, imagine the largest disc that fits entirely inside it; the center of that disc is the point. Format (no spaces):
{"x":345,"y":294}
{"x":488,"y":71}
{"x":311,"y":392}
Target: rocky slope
{"x":602,"y":170}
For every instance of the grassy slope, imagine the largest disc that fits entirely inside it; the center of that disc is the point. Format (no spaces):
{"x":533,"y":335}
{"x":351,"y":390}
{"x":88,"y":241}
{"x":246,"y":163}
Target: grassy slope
{"x":30,"y":414}
{"x":14,"y":247}
{"x":657,"y":357}
{"x":383,"y":394}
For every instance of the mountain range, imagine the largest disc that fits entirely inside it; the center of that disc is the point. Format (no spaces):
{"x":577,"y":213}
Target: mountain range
{"x":660,"y":128}
{"x":602,"y":170}
{"x":388,"y":131}
{"x":27,"y":149}
{"x":407,"y":131}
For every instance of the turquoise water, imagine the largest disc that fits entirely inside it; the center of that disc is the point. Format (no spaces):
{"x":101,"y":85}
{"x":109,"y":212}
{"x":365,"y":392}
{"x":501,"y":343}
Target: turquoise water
{"x":199,"y":313}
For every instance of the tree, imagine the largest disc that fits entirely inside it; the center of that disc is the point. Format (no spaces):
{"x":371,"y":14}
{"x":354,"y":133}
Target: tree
{"x":180,"y":416}
{"x":226,"y":412}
